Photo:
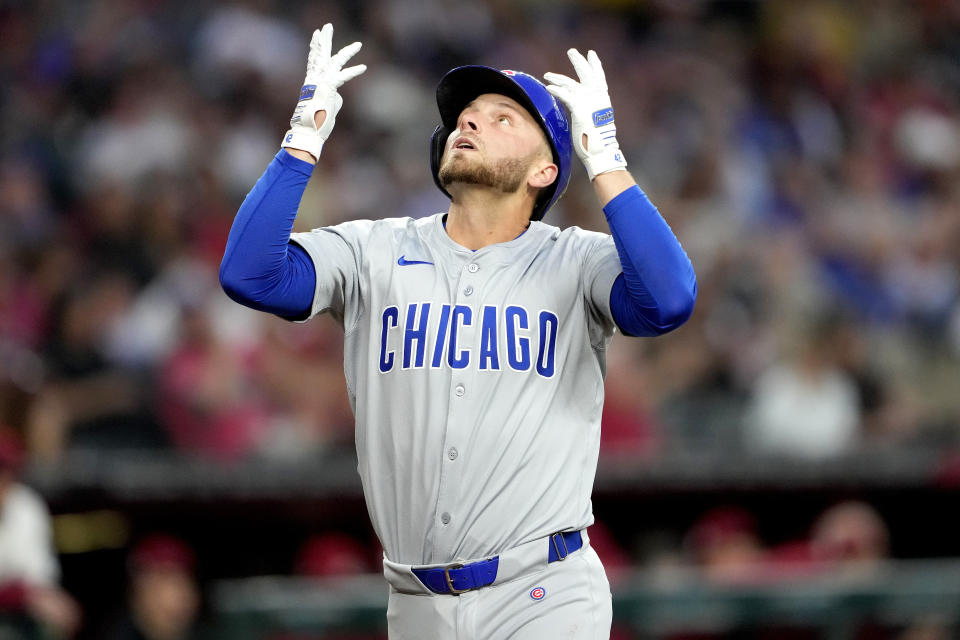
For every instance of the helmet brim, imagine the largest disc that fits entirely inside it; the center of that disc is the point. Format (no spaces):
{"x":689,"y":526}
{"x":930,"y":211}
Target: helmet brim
{"x":462,"y":85}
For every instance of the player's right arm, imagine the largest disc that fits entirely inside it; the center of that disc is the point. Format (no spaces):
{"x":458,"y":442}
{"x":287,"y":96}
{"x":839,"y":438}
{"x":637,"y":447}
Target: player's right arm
{"x":261,"y":268}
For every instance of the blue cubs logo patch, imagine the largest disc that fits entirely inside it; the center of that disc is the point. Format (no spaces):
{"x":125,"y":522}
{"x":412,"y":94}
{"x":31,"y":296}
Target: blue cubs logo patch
{"x":602,"y":117}
{"x":307,"y":91}
{"x":537,"y":593}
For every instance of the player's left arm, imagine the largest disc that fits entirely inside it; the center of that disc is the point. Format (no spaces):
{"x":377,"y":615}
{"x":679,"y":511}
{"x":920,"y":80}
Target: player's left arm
{"x":657,"y":289}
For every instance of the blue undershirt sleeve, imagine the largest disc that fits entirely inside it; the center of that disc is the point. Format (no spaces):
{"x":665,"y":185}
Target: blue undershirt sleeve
{"x":261,"y":268}
{"x":658,"y":287}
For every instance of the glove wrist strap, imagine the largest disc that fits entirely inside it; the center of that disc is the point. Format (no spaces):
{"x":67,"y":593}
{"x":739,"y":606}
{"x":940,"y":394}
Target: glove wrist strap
{"x":608,"y":159}
{"x":303,"y":139}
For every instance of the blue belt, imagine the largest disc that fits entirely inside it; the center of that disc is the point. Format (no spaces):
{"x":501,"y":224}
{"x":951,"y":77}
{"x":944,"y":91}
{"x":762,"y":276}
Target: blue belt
{"x":457,"y":578}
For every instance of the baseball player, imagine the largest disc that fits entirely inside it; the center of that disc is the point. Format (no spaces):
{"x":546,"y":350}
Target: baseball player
{"x":474,"y":340}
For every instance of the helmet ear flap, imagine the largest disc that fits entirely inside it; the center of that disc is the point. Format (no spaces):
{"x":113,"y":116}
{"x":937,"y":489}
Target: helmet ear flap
{"x":438,"y":141}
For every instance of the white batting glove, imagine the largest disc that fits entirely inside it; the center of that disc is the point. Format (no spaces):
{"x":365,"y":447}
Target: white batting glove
{"x":591,"y":113}
{"x":325,"y":74}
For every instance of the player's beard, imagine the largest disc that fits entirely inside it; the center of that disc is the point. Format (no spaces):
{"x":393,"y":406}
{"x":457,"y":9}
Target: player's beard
{"x":506,"y":175}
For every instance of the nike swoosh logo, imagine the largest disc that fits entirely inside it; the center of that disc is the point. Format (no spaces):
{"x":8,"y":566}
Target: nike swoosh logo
{"x":403,"y":262}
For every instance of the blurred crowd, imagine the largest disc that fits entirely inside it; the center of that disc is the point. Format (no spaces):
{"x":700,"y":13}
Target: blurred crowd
{"x":807,"y":154}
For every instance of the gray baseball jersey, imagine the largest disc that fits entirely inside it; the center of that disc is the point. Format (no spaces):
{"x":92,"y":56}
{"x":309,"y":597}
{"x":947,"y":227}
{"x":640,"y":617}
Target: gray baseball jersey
{"x":476,"y":378}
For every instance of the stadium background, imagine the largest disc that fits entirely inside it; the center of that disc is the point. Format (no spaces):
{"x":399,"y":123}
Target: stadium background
{"x":785,"y":465}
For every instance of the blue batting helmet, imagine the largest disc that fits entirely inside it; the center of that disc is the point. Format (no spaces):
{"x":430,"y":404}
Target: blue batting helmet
{"x":461,"y":85}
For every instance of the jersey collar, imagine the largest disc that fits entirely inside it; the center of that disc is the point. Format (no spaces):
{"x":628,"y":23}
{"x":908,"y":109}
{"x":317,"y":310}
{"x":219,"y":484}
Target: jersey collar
{"x":439,"y":224}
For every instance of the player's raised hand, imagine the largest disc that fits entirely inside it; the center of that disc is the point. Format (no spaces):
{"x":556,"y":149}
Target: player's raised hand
{"x":325,"y":74}
{"x":591,"y":113}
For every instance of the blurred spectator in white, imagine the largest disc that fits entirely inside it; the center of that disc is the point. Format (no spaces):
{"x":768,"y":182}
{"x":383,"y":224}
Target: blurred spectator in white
{"x":153,"y":324}
{"x":928,"y":139}
{"x":150,"y":328}
{"x":29,"y":569}
{"x":146,"y":129}
{"x":804,"y":404}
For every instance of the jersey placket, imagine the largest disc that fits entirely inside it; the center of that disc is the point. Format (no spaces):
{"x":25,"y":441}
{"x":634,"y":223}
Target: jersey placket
{"x":459,"y":411}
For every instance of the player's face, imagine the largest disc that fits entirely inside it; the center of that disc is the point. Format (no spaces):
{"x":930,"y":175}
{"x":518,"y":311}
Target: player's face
{"x":496,"y":144}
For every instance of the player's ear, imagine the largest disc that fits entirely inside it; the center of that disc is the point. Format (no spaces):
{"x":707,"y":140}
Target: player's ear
{"x":544,"y":175}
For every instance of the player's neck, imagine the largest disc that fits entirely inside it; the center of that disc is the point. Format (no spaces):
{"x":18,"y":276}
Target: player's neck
{"x":480,"y":219}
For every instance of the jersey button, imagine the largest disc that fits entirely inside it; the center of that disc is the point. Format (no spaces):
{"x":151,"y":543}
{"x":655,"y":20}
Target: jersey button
{"x":468,"y":290}
{"x":473,"y":267}
{"x":460,"y":390}
{"x":453,"y":453}
{"x":445,"y":518}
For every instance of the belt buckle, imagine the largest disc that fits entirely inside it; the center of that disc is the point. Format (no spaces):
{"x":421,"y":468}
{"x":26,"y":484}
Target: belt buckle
{"x":553,"y":539}
{"x":446,"y":575}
